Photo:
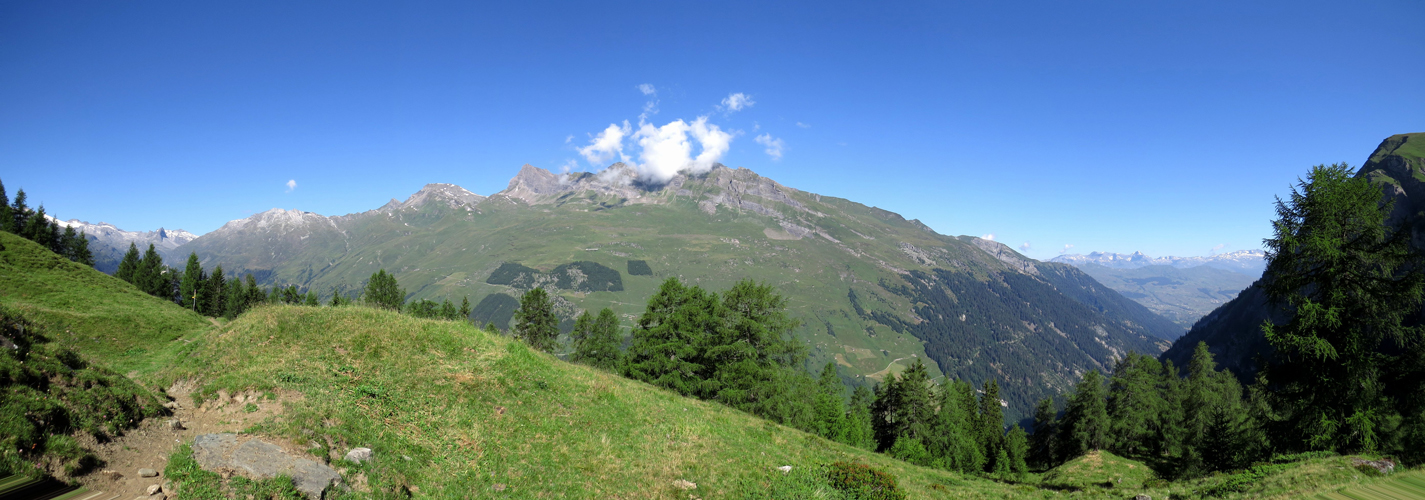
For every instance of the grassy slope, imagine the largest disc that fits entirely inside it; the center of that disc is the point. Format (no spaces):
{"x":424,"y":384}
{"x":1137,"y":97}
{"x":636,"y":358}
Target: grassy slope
{"x":95,"y":314}
{"x":433,"y":391}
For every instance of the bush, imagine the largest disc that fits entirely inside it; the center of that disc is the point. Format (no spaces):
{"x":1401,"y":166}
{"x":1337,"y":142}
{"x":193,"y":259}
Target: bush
{"x":862,"y":482}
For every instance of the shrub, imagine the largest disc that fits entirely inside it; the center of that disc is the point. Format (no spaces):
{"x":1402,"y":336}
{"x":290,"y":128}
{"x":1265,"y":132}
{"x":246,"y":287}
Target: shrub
{"x":862,"y":482}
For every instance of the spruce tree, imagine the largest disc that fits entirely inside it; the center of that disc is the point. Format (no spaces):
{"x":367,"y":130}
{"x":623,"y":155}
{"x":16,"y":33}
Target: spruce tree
{"x":234,"y":299}
{"x":1043,"y":444}
{"x":535,"y":322}
{"x":382,"y":290}
{"x":596,"y":341}
{"x":465,"y":308}
{"x":858,"y":420}
{"x":151,"y":275}
{"x":953,"y":436}
{"x":192,"y":289}
{"x":7,"y":220}
{"x":1085,"y":424}
{"x":129,"y":266}
{"x":337,"y":298}
{"x":830,"y":406}
{"x":1135,"y":406}
{"x":1016,"y":449}
{"x":253,"y":295}
{"x":82,"y":254}
{"x":19,"y":213}
{"x":216,"y":286}
{"x":311,"y":299}
{"x":991,"y":424}
{"x":37,"y":229}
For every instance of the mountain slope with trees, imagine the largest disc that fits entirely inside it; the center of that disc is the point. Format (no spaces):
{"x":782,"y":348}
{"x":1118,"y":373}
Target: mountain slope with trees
{"x":847,"y":269}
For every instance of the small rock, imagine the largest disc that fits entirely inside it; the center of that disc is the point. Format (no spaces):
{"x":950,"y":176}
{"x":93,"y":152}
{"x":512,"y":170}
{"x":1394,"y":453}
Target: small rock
{"x":169,"y":489}
{"x":499,"y":487}
{"x":148,"y":473}
{"x":785,"y":469}
{"x":359,"y":455}
{"x":176,"y":425}
{"x":152,"y":488}
{"x":172,"y":405}
{"x":406,"y":458}
{"x":1142,"y":496}
{"x":111,"y":474}
{"x":684,"y":484}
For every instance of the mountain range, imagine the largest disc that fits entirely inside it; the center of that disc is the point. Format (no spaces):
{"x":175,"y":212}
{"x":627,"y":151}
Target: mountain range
{"x":108,"y":243}
{"x":1247,"y":262}
{"x":874,"y":291}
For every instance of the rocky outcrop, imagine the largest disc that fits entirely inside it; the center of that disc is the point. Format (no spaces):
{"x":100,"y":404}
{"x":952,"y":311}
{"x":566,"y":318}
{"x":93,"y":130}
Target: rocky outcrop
{"x":1006,"y":255}
{"x":257,"y":459}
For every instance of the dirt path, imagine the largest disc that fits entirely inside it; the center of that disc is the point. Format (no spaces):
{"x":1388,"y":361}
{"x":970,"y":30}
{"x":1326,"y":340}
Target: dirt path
{"x":149,"y":445}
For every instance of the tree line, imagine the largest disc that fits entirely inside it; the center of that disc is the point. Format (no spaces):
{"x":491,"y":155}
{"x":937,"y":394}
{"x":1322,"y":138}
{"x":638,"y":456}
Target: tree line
{"x":32,"y":224}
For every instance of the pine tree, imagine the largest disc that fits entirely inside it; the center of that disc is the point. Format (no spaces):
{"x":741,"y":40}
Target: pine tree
{"x":337,"y":298}
{"x":254,"y":295}
{"x":311,"y":299}
{"x":1355,"y":289}
{"x":37,"y":229}
{"x":535,"y":322}
{"x":465,"y":308}
{"x":129,"y":266}
{"x":192,"y":289}
{"x":1001,"y":465}
{"x":596,"y":341}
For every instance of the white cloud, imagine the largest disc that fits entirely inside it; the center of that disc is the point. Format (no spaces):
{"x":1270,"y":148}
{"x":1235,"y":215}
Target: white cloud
{"x":291,"y":185}
{"x":1025,"y":247}
{"x":606,"y":145}
{"x":990,"y":237}
{"x":667,"y":150}
{"x":736,"y":102}
{"x":1219,"y":246}
{"x":774,"y":146}
{"x":650,"y":108}
{"x":803,"y":125}
{"x":1066,"y":249}
{"x":569,"y":139}
{"x":647,"y":89}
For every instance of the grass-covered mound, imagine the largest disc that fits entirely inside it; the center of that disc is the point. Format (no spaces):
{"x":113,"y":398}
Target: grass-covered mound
{"x":48,"y":393}
{"x":477,"y":412}
{"x":1099,"y":469}
{"x":98,"y":315}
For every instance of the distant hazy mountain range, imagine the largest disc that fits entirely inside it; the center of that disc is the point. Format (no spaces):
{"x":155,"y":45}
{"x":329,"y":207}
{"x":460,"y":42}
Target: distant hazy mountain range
{"x":873,"y":290}
{"x":108,"y":243}
{"x":1181,"y":289}
{"x":1248,"y":262}
{"x":1233,"y":332}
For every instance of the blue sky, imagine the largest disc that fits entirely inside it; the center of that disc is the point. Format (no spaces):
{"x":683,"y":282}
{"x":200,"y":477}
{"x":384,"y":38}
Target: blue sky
{"x":1165,"y":127}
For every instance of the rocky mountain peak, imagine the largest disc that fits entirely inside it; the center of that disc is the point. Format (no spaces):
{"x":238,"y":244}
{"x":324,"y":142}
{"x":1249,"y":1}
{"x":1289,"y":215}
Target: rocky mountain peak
{"x":452,"y":195}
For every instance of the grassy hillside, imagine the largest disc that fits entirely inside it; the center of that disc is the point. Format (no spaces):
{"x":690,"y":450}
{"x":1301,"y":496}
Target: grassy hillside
{"x":88,"y":311}
{"x":818,"y":251}
{"x":454,"y":412}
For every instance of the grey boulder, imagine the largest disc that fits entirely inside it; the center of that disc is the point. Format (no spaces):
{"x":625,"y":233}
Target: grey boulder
{"x":261,"y":460}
